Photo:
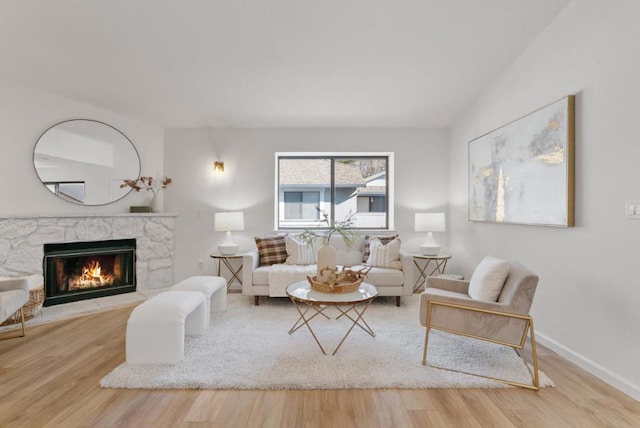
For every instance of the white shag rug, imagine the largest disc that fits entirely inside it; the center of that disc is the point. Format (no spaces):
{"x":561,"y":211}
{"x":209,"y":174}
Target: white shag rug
{"x":248,"y":347}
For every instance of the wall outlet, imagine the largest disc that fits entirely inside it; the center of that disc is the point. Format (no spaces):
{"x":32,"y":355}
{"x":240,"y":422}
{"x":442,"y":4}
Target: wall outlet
{"x":633,"y":210}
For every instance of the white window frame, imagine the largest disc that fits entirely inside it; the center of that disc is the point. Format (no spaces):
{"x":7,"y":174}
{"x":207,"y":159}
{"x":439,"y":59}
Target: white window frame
{"x":390,"y":182}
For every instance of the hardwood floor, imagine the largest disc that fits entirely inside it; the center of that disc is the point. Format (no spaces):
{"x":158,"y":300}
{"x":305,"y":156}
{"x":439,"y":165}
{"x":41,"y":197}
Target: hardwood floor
{"x":50,"y":379}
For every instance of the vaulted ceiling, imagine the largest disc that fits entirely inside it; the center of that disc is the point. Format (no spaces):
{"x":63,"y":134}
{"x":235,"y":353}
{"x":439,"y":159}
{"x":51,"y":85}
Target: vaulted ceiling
{"x":273,"y":63}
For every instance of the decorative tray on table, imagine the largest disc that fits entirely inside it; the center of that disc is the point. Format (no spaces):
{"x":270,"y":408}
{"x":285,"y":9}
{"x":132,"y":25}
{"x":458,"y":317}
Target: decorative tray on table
{"x":344,"y":282}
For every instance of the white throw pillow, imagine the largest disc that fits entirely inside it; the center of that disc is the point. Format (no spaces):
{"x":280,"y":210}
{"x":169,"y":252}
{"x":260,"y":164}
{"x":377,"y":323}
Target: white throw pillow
{"x":299,"y":253}
{"x":385,"y":256}
{"x":488,"y":278}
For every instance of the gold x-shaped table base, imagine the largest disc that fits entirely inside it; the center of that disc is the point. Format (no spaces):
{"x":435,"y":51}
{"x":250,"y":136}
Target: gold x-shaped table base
{"x":235,"y":272}
{"x":440,"y":264}
{"x":319,"y":310}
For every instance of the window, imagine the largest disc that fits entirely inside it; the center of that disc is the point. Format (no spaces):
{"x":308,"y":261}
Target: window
{"x":301,"y":205}
{"x":338,"y":184}
{"x":72,"y":190}
{"x":371,"y":204}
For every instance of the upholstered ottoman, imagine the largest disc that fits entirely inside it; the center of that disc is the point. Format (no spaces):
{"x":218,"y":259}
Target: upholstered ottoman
{"x":156,"y":328}
{"x":213,"y":287}
{"x":36,"y":299}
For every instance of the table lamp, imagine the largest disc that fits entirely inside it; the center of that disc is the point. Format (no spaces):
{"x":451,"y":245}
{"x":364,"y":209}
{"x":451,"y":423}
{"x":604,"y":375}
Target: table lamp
{"x":226,"y":222}
{"x":430,"y":222}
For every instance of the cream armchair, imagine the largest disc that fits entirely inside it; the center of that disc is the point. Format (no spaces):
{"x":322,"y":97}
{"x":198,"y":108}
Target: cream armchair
{"x":446,"y":305}
{"x":14,"y":294}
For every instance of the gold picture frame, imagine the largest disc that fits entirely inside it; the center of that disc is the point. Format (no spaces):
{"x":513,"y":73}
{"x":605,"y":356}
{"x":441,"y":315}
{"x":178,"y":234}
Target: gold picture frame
{"x":523,"y":172}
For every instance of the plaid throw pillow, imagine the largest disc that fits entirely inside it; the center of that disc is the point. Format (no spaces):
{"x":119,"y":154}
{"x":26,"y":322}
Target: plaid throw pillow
{"x":367,"y":246}
{"x":272,"y":250}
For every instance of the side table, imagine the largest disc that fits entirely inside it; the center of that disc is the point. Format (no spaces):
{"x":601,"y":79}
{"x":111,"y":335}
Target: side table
{"x":439,"y":264}
{"x":226,"y":259}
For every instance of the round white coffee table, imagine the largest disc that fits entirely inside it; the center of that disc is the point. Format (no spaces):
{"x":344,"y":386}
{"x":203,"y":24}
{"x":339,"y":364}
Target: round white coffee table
{"x":357,"y":301}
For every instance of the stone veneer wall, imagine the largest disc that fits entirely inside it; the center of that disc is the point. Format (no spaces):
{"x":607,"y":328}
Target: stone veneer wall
{"x":22,"y":240}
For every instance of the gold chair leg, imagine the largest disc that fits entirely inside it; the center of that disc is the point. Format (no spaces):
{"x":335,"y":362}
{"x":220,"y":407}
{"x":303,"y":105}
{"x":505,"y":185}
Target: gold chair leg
{"x":426,"y":343}
{"x":426,"y":333}
{"x":24,"y":331}
{"x":534,"y":355}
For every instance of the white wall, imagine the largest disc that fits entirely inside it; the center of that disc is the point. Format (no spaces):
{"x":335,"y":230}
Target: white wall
{"x":24,"y":115}
{"x":588,"y":299}
{"x":247,"y":183}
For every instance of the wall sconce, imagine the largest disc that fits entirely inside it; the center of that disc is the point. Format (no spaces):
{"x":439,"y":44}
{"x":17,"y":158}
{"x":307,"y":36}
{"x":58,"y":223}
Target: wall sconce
{"x":218,"y":166}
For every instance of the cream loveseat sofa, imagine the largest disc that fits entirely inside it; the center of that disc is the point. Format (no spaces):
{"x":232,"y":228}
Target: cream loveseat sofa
{"x":272,"y":279}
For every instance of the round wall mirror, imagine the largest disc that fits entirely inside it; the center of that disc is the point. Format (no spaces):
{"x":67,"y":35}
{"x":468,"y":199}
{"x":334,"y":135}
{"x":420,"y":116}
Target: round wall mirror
{"x":85,"y":161}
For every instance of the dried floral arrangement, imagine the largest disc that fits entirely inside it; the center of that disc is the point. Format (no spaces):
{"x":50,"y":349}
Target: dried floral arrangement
{"x":147,"y":183}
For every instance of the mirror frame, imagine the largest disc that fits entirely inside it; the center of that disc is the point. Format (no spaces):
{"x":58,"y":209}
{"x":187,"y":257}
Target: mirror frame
{"x":126,"y":139}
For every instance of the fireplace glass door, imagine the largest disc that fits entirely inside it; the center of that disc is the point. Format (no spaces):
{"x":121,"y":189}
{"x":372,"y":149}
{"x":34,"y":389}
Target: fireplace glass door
{"x":82,"y":270}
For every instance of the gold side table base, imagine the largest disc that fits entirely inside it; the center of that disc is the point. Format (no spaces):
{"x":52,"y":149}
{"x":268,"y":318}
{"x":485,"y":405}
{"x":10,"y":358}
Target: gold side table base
{"x":440,"y":262}
{"x":235,"y":272}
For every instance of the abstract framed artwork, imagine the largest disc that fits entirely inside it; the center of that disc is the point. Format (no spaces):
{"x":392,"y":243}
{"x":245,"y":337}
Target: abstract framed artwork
{"x":523,"y":172}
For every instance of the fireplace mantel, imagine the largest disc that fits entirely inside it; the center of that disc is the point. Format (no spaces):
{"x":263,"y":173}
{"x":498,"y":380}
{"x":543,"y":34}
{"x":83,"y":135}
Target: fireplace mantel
{"x":76,"y":215}
{"x":22,"y":238}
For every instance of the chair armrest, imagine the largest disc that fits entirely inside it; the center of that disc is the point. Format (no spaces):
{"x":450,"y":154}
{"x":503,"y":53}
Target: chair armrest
{"x":450,"y":284}
{"x":467,"y":303}
{"x":14,"y":284}
{"x":408,"y":272}
{"x":492,"y":321}
{"x":250,"y":259}
{"x":249,"y":263}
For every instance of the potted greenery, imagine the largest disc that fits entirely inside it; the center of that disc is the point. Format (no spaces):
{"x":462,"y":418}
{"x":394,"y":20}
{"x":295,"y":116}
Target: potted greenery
{"x":326,"y":259}
{"x":344,"y":228}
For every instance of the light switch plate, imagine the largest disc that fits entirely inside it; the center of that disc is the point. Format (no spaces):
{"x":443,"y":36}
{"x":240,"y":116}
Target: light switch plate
{"x":633,"y":210}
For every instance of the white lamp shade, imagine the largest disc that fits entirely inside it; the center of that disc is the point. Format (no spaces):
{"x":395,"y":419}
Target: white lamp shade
{"x":430,"y":222}
{"x":227,"y":221}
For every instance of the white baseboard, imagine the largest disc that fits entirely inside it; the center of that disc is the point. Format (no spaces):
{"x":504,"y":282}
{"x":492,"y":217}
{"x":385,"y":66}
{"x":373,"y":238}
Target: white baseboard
{"x":602,"y":373}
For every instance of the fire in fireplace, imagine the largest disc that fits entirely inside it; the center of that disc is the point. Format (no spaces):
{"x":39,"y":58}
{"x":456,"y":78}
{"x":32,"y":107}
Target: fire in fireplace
{"x":84,"y":270}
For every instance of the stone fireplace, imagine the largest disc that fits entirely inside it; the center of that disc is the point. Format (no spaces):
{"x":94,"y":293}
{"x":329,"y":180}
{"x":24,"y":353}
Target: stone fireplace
{"x":85,"y":270}
{"x":22,"y":241}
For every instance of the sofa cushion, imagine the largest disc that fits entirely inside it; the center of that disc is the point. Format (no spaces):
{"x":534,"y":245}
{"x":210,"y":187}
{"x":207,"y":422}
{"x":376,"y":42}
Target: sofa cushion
{"x":366,"y":248}
{"x":488,"y":278}
{"x":271,"y":250}
{"x":299,"y":253}
{"x":376,"y":276}
{"x":382,"y":276}
{"x":261,"y":275}
{"x":385,"y":256}
{"x":281,"y":276}
{"x":347,"y":255}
